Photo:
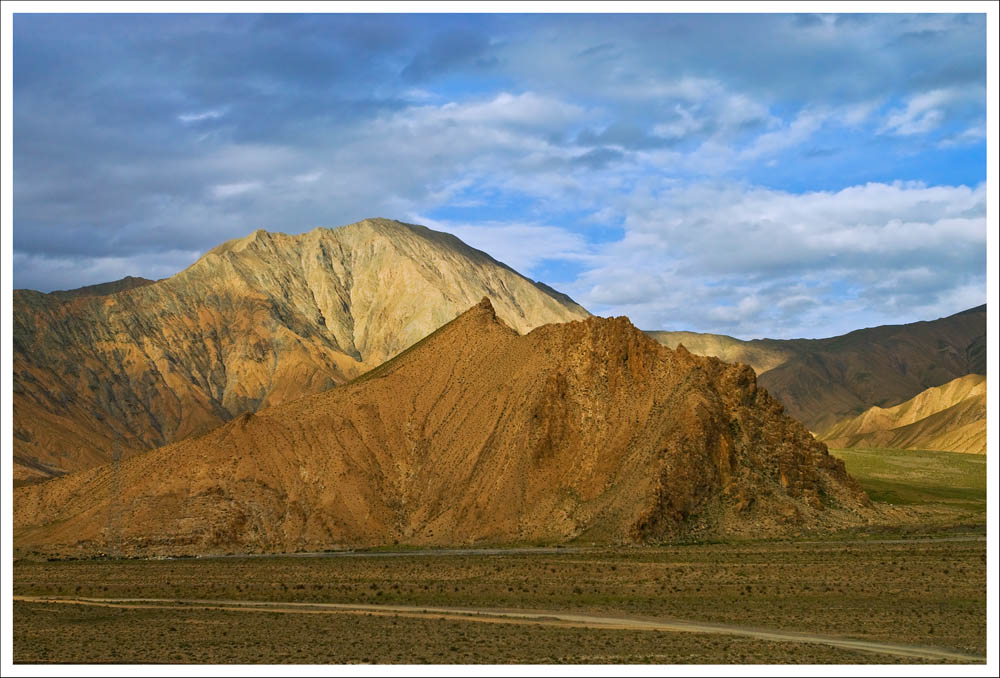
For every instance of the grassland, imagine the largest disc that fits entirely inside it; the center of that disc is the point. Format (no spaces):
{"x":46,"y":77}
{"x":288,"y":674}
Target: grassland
{"x":949,"y":482}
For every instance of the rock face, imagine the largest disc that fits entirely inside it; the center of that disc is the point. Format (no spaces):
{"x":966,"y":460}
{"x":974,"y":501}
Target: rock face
{"x":951,"y":417}
{"x":587,"y":430}
{"x":253,"y":323}
{"x":823,"y":381}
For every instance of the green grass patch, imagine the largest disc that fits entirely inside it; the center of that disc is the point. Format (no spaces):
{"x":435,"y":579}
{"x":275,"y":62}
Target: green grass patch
{"x":919,"y":477}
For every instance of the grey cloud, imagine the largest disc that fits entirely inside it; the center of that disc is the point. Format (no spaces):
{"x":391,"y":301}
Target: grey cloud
{"x":460,"y":48}
{"x":808,"y":20}
{"x":59,"y":272}
{"x":970,"y":72}
{"x":854,"y":19}
{"x":624,"y":134}
{"x":599,"y":157}
{"x":602,"y":49}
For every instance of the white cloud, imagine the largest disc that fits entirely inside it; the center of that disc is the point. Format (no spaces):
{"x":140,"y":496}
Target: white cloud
{"x":797,"y":131}
{"x":853,"y":115}
{"x":734,"y":259}
{"x":527,"y":109}
{"x":967,"y":137}
{"x":926,"y":111}
{"x":307,"y":178}
{"x":198,"y":117}
{"x":231,"y":190}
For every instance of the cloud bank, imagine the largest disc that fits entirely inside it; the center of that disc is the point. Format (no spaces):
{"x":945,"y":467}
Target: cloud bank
{"x":759,"y":175}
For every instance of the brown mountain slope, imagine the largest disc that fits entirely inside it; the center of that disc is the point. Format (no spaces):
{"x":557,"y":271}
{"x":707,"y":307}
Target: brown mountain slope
{"x":951,"y":417}
{"x":823,"y":381}
{"x":253,"y":323}
{"x":583,"y":430}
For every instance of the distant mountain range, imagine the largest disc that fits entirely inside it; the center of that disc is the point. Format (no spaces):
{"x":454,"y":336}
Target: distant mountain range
{"x":476,"y":434}
{"x":821,"y":382}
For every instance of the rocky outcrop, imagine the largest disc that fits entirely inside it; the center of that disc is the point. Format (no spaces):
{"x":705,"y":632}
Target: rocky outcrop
{"x":587,"y":430}
{"x":255,"y":322}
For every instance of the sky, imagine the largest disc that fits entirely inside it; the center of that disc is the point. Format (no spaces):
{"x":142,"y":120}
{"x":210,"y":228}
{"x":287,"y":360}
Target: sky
{"x":757,"y":175}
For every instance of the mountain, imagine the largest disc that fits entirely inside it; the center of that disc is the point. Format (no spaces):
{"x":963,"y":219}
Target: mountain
{"x":101,"y":289}
{"x":255,"y":322}
{"x":823,"y":381}
{"x":951,"y":417}
{"x":585,"y":430}
{"x":760,"y":354}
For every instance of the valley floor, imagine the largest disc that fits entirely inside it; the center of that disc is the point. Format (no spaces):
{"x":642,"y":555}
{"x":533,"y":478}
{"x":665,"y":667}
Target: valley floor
{"x":922,"y":592}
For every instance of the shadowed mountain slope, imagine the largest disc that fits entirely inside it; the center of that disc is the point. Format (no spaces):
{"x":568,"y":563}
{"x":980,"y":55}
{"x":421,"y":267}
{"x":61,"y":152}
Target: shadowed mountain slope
{"x":584,"y":430}
{"x":951,"y":417}
{"x":101,"y":289}
{"x":823,"y":381}
{"x":253,"y":323}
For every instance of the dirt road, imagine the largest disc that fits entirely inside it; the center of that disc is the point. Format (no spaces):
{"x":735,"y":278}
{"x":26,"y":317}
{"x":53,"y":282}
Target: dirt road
{"x":498,"y":616}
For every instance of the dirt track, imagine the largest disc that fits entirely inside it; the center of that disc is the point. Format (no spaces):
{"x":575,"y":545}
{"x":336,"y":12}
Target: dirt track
{"x":496,"y":616}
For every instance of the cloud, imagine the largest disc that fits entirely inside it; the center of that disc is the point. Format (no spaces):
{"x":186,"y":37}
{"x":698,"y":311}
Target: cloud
{"x":927,"y":111}
{"x":800,"y":129}
{"x":198,"y":117}
{"x":922,"y":114}
{"x":453,"y":50}
{"x":599,"y":157}
{"x":628,"y":151}
{"x":526,"y":109}
{"x":230,"y":190}
{"x":730,"y":258}
{"x":65,"y":273}
{"x":970,"y":136}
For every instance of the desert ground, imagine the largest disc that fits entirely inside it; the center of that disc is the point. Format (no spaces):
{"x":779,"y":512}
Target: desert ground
{"x":911,"y":594}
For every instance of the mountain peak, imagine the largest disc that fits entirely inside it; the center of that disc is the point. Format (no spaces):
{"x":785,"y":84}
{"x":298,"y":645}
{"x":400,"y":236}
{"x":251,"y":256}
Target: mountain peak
{"x":485,"y":306}
{"x":257,"y":321}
